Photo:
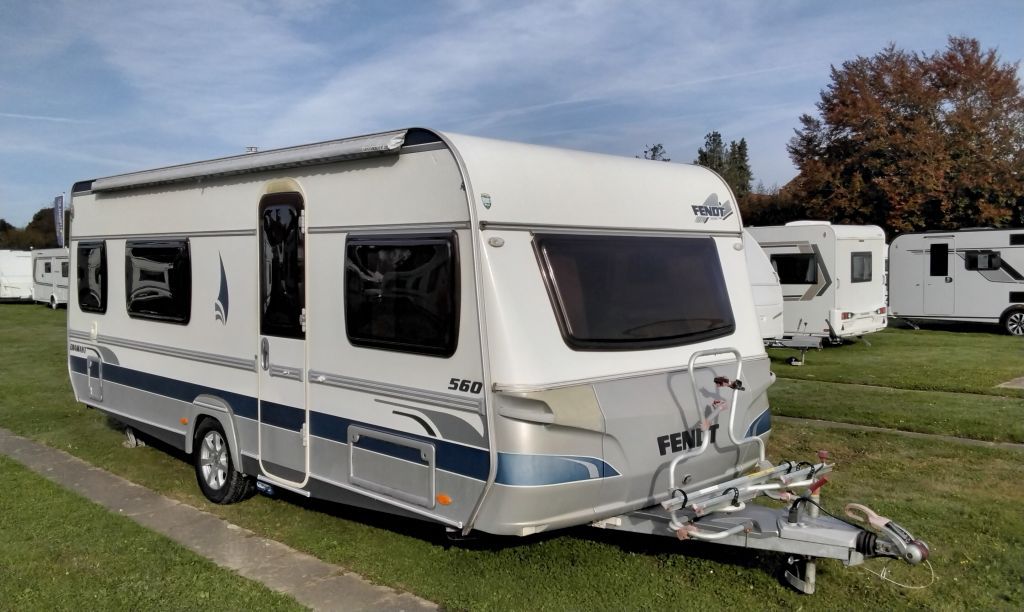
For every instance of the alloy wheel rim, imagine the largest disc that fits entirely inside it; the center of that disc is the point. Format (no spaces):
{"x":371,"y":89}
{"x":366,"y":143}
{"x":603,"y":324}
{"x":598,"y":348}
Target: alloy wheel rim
{"x":213,"y":460}
{"x":1015,"y":323}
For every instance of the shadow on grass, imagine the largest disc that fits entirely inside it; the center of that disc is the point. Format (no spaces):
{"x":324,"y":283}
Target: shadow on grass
{"x":950,"y":326}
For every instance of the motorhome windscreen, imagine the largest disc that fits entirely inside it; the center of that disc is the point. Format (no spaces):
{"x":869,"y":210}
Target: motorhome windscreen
{"x":796,"y":268}
{"x":632,"y":292}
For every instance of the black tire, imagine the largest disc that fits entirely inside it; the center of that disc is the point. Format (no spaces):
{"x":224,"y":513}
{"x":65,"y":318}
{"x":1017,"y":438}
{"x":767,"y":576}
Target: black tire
{"x":53,"y":303}
{"x":218,"y":479}
{"x":1013,"y":322}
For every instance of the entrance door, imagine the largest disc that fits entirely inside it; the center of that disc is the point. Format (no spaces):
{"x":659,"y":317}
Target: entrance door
{"x":283,"y":417}
{"x":939,"y":276}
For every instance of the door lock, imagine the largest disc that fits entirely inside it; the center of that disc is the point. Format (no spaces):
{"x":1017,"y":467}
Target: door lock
{"x":265,"y":354}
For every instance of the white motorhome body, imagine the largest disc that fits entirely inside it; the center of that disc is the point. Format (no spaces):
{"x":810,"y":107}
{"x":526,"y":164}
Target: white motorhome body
{"x":832,"y":276}
{"x":489,"y":335}
{"x":50,"y":276}
{"x":966,"y":275}
{"x":764,"y":283}
{"x":15,"y":275}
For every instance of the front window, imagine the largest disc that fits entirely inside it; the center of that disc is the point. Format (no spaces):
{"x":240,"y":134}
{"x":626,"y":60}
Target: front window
{"x":628,"y":293}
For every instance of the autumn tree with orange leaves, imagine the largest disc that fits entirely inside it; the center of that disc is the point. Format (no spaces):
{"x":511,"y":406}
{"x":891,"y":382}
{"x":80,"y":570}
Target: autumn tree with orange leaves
{"x":911,"y":142}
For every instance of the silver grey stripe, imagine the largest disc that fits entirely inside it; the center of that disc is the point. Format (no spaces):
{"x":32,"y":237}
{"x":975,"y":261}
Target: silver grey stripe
{"x":390,"y":229}
{"x":238,"y":363}
{"x":612,"y":231}
{"x":279,"y":371}
{"x":168,"y":235}
{"x":442,"y":400}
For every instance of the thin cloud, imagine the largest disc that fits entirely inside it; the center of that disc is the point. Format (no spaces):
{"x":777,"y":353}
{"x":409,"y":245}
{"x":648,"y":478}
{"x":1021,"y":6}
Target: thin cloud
{"x":44,"y":118}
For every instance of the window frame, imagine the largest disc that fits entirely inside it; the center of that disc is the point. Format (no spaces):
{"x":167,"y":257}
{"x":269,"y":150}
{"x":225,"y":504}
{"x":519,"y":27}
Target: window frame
{"x":182,"y":243}
{"x":585,"y":345}
{"x":102,"y":246}
{"x":853,"y":267}
{"x":450,"y":238}
{"x":971,"y":259}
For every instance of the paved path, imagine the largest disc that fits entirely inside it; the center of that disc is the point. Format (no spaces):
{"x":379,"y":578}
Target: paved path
{"x":310,"y":581}
{"x":798,"y":421}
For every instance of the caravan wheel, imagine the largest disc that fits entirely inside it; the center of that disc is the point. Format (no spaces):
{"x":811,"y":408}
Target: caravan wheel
{"x":1013,"y":322}
{"x":53,"y":302}
{"x":220,"y":482}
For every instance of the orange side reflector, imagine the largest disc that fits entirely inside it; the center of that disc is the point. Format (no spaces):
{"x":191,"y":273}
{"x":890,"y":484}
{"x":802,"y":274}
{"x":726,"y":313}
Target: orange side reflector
{"x":443,"y":499}
{"x":184,"y":421}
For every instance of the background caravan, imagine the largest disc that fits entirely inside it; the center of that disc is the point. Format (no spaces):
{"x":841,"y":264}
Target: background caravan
{"x":488,"y":335}
{"x":15,"y":276}
{"x":50,"y":276}
{"x":832,"y":277}
{"x":967,"y":275}
{"x":764,"y":283}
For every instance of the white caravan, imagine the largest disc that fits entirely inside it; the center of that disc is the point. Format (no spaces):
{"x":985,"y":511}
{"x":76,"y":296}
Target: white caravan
{"x":15,"y":276}
{"x":50,"y":276}
{"x":488,"y":335}
{"x":967,"y":275}
{"x":764,"y":283}
{"x":832,"y":277}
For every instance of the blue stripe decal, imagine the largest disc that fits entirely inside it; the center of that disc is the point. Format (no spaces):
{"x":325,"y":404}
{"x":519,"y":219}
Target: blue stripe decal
{"x":513,"y":469}
{"x":761,"y":424}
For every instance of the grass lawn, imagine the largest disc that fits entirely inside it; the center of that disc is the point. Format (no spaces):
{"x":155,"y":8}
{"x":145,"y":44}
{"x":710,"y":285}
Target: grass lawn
{"x":962,"y":500}
{"x":59,"y":551}
{"x":926,"y":359}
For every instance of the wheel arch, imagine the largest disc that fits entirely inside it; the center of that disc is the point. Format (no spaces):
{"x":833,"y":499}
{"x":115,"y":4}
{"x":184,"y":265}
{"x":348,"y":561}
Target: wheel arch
{"x":212,"y":407}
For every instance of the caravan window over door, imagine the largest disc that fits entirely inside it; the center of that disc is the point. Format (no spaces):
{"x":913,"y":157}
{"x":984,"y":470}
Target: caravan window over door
{"x":282,"y":266}
{"x":158,"y":280}
{"x":401,"y":293}
{"x":92,"y":276}
{"x":860,"y":267}
{"x":796,"y":268}
{"x":631,"y":292}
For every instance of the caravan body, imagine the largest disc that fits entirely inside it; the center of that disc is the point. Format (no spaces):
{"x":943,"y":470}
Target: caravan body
{"x":50,"y":276}
{"x":485,"y":334}
{"x":15,"y":276}
{"x":764,"y":283}
{"x":832,"y":277}
{"x":968,"y":275}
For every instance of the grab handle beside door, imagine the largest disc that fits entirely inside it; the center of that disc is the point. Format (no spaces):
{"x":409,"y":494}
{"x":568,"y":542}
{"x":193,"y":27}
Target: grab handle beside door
{"x":265,"y":354}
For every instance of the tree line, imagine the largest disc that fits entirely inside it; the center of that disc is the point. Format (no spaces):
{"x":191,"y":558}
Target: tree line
{"x":904,"y":140}
{"x":40,"y":233}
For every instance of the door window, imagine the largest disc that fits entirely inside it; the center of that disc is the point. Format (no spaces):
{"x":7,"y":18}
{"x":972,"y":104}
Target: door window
{"x":939,"y":263}
{"x":282,"y":266}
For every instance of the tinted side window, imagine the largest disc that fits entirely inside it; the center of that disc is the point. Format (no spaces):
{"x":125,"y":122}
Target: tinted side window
{"x":401,"y":293}
{"x":982,"y":260}
{"x":1016,"y":239}
{"x":46,"y":268}
{"x":860,"y":264}
{"x":796,"y":268}
{"x":92,"y":276}
{"x":282,"y":266}
{"x":158,"y":280}
{"x":939,"y":262}
{"x":64,"y":269}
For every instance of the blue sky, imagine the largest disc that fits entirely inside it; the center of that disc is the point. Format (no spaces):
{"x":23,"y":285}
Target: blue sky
{"x":92,"y":88}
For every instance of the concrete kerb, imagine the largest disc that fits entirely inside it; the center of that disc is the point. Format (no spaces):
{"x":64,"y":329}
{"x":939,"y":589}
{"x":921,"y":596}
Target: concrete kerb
{"x":312,"y":582}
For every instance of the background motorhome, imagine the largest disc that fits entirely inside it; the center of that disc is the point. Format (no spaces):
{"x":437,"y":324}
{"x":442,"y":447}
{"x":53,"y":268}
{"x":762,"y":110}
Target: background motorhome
{"x":764,"y":283}
{"x":488,"y":335}
{"x":50,"y":276}
{"x":972,"y":275}
{"x":15,"y":276}
{"x":831,"y":277}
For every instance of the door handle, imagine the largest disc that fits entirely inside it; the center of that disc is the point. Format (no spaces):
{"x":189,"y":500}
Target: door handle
{"x":949,"y":279}
{"x":265,"y":354}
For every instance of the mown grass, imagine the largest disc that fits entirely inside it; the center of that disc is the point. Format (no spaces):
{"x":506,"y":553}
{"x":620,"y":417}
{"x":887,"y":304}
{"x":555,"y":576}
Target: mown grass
{"x":926,"y":359}
{"x":962,"y":500}
{"x":966,"y":415}
{"x":59,"y":551}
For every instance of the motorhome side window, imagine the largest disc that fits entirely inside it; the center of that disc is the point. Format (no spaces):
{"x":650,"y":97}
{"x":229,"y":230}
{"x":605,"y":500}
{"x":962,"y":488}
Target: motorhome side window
{"x":796,"y":268}
{"x":982,"y":260}
{"x":92,"y":276}
{"x":64,"y":269}
{"x":860,"y":267}
{"x":158,"y":280}
{"x":401,"y":293}
{"x":632,"y":292}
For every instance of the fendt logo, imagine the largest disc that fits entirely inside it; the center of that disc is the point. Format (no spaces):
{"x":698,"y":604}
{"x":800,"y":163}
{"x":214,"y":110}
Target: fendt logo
{"x":711,"y":209}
